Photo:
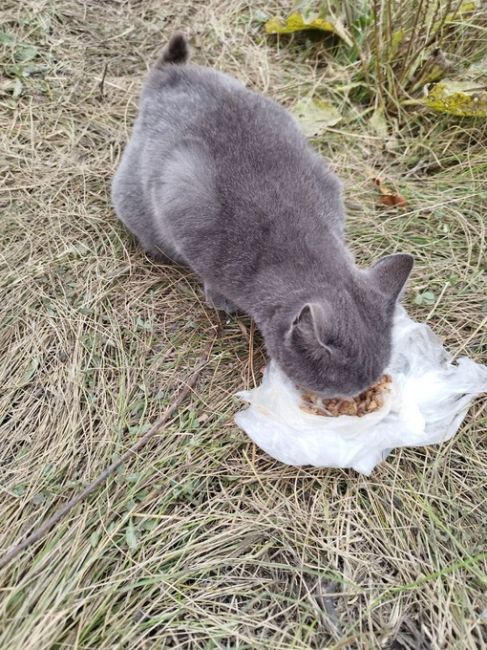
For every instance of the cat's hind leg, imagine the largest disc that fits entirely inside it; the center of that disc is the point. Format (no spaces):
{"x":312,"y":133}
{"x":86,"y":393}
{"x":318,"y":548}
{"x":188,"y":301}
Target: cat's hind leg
{"x":165,"y":254}
{"x":219,"y":302}
{"x":132,"y":209}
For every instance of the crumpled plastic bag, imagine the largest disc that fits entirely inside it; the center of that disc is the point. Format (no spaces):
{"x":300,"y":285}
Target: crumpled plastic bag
{"x":429,"y":398}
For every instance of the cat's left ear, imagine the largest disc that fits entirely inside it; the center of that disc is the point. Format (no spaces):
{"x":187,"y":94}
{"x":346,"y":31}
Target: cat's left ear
{"x":310,"y":325}
{"x":390,"y":274}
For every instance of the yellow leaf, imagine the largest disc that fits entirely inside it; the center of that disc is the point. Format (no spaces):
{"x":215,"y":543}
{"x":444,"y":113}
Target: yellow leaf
{"x":458,"y":16}
{"x":457,"y":98}
{"x":296,"y":22}
{"x":464,"y":8}
{"x":315,"y":115}
{"x":396,"y":40}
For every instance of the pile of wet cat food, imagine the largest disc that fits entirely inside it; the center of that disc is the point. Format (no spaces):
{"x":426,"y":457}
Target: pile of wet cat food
{"x":368,"y":401}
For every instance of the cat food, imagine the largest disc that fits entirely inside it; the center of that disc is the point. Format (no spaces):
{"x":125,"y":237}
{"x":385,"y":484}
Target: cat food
{"x":368,"y":401}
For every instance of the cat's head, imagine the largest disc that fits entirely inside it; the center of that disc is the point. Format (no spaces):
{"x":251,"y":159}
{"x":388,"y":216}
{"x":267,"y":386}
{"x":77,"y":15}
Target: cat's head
{"x":340,"y":344}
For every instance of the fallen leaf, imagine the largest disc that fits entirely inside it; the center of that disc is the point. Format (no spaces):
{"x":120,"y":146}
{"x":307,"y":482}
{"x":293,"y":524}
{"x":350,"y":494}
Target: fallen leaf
{"x":458,"y":98}
{"x":425,"y":298}
{"x":388,"y":198}
{"x":384,"y":129}
{"x":260,"y":16}
{"x":396,"y":40}
{"x":130,"y":536}
{"x":391,"y":200}
{"x":25,"y":53}
{"x":297,"y":22}
{"x":30,"y":371}
{"x":378,"y":123}
{"x":315,"y":115}
{"x":464,"y":8}
{"x":6,"y":38}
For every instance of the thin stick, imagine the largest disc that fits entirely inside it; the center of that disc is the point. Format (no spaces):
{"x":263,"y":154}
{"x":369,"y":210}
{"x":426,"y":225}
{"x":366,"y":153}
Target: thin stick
{"x":39,"y":533}
{"x":433,"y":309}
{"x":101,"y":85}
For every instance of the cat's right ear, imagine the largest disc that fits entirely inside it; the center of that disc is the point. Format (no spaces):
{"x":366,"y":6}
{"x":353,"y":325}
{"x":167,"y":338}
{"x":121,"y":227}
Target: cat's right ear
{"x":390,"y":274}
{"x":310,"y":325}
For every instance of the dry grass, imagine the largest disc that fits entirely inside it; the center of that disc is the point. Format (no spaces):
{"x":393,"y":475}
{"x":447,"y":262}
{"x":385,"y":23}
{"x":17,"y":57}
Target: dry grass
{"x":202,"y":541}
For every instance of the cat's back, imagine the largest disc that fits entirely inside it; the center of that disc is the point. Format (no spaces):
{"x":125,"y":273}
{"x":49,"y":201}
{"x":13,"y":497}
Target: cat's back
{"x":233,"y":121}
{"x":188,"y":81}
{"x":225,"y":173}
{"x":254,"y":146}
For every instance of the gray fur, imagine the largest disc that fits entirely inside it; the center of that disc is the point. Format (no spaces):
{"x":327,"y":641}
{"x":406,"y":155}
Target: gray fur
{"x":221,"y":179}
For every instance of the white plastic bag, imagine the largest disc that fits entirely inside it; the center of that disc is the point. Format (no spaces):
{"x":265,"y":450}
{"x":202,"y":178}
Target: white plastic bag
{"x":429,"y":398}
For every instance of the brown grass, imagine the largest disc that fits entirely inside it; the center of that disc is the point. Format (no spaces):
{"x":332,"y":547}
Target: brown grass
{"x":202,"y":540}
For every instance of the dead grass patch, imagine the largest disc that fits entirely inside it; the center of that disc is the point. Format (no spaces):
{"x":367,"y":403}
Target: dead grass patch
{"x":203,"y":541}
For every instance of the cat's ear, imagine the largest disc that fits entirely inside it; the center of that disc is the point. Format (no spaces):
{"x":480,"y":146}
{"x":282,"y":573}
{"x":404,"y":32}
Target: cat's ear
{"x":310,"y":325}
{"x":390,"y":274}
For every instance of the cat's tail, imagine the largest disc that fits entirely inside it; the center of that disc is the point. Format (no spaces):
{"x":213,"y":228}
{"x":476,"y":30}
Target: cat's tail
{"x":176,"y":51}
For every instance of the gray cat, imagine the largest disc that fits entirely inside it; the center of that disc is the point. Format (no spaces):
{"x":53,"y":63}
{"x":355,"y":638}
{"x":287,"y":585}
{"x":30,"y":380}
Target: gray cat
{"x":221,"y":179}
